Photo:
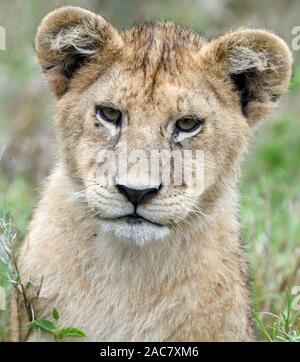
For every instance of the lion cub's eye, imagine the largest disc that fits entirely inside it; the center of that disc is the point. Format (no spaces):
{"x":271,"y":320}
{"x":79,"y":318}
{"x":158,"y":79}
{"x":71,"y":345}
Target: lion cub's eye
{"x":109,"y":114}
{"x":188,"y":124}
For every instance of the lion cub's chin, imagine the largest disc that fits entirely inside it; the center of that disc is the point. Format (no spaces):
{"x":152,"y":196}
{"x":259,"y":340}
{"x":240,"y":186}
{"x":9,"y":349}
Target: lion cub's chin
{"x":138,"y":234}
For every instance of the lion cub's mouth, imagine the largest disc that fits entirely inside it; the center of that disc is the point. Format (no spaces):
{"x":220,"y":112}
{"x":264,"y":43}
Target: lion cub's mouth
{"x":133,"y":219}
{"x":134,"y":228}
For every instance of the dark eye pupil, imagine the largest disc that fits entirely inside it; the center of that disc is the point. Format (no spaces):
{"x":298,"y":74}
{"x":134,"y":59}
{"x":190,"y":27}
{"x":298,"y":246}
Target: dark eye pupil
{"x":188,"y":124}
{"x":109,"y":114}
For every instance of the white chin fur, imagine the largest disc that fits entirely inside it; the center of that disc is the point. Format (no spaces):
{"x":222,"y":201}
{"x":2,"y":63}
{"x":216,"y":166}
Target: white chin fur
{"x":139,"y":234}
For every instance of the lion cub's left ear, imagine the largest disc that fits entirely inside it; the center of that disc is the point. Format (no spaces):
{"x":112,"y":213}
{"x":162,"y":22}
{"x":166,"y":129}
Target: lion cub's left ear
{"x":68,"y":38}
{"x":258,"y":62}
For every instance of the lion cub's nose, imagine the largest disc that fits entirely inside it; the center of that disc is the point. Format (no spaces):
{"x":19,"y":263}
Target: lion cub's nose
{"x":136,"y":196}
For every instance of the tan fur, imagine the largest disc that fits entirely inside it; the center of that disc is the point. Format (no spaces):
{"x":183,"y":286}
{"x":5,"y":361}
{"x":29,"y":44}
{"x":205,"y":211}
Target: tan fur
{"x":191,"y":284}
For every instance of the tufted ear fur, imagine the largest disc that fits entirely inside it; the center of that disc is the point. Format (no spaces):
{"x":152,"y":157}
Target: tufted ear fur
{"x":258,"y":63}
{"x":67,"y":39}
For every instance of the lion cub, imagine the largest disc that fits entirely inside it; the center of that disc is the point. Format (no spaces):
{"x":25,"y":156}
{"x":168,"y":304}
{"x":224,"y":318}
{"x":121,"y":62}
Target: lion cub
{"x":133,"y":260}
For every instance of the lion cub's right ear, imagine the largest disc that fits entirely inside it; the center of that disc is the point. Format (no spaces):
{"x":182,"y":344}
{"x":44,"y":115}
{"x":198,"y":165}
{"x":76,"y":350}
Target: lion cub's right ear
{"x":70,"y":37}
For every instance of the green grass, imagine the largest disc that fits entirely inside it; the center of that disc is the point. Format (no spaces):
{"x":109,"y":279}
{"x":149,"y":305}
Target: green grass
{"x":270,"y":212}
{"x":283,"y":325}
{"x":16,"y":201}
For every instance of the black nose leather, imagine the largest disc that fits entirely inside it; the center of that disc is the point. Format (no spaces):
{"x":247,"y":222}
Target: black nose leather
{"x":135,"y":196}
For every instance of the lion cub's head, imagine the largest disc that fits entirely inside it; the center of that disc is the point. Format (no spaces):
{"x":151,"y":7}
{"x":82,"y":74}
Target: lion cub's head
{"x":155,"y":89}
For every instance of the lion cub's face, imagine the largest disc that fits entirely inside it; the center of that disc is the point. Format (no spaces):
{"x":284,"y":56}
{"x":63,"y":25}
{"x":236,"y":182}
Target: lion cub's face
{"x":155,"y":92}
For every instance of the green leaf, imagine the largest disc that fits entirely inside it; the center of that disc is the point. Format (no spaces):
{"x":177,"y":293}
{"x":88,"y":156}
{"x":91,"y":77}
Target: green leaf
{"x":55,"y":314}
{"x":71,"y":332}
{"x":43,"y":324}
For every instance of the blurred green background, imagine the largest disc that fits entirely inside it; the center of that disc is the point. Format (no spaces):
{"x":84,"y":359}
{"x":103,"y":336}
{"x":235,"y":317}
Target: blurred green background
{"x":270,"y":183}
